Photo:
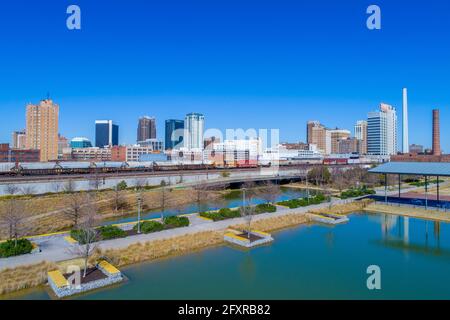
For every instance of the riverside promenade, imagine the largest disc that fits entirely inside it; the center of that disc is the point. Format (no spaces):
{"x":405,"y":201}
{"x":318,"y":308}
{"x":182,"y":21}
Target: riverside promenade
{"x":55,"y":248}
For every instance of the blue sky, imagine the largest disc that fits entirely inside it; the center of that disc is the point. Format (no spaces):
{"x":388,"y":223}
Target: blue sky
{"x":243,"y":63}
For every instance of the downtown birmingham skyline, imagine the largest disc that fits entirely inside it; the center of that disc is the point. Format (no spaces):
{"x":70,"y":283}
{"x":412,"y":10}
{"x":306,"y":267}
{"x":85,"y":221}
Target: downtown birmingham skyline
{"x":270,"y":64}
{"x":160,"y":128}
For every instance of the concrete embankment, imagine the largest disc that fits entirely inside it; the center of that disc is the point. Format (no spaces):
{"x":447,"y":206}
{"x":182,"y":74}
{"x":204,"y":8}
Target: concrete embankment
{"x":409,"y":211}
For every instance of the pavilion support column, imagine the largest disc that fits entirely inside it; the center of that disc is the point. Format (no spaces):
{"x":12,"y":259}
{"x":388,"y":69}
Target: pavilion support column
{"x":399,"y":186}
{"x":437,"y":194}
{"x":426,"y":192}
{"x":385,"y":188}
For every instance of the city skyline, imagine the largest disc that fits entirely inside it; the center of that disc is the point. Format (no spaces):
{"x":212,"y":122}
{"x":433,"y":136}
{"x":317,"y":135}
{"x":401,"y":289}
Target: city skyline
{"x":239,"y":73}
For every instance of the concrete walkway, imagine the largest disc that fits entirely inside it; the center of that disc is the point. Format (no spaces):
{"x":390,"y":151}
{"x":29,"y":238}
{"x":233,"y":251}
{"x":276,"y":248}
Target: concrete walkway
{"x":55,"y":248}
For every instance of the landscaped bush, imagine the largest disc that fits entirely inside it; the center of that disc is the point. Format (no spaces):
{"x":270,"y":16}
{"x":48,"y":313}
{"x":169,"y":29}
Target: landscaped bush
{"x":111,"y":232}
{"x":11,"y":248}
{"x":222,"y":214}
{"x":122,"y":185}
{"x":150,"y":226}
{"x":80,"y":236}
{"x":176,"y":222}
{"x":303,"y":202}
{"x":356,"y":192}
{"x":227,"y":213}
{"x":265,"y":208}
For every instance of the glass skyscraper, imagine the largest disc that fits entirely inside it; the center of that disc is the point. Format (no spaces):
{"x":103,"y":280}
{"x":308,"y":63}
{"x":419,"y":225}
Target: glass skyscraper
{"x":382,"y":131}
{"x":146,"y":129}
{"x":194,"y":126}
{"x":106,"y":133}
{"x":174,"y":134}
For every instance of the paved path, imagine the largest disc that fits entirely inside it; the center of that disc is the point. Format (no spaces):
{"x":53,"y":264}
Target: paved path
{"x":55,"y":248}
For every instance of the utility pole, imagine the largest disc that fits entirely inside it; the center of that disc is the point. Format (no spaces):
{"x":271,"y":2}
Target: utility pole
{"x":139,"y":213}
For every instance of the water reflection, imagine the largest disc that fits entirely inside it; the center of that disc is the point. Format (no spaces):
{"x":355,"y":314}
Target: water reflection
{"x":412,"y":235}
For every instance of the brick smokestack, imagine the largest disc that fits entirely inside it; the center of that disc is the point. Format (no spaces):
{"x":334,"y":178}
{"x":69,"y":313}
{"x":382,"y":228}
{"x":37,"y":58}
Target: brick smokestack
{"x":436,"y":134}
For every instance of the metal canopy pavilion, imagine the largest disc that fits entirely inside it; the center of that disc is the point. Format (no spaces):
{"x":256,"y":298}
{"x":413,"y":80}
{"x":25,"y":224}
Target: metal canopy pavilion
{"x":426,"y":169}
{"x":441,"y":169}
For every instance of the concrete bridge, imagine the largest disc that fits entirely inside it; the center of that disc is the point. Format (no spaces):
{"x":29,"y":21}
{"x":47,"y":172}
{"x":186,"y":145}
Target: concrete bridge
{"x":234,"y":177}
{"x":176,"y":179}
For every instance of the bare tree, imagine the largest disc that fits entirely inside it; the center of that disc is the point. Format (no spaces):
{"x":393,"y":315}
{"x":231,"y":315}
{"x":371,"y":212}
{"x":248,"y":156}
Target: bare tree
{"x":69,"y":186}
{"x":201,"y":194}
{"x":119,"y":201}
{"x":269,"y":192}
{"x":338,"y":178}
{"x":95,"y":181}
{"x":163,"y":196}
{"x":75,"y":205}
{"x":247,"y":210}
{"x":28,"y":190}
{"x":87,"y":234}
{"x":13,"y":219}
{"x":140,"y":183}
{"x":12,"y":189}
{"x":56,"y":187}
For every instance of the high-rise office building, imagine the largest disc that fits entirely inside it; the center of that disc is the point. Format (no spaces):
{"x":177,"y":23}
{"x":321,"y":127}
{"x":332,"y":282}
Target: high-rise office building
{"x":309,"y":128}
{"x":194,"y":126}
{"x":335,"y":135}
{"x":42,"y":129}
{"x":382,"y":131}
{"x":317,"y":134}
{"x":19,"y":140}
{"x":80,"y":142}
{"x":174,"y":134}
{"x":349,"y":145}
{"x":361,"y":135}
{"x":106,"y":133}
{"x":436,"y":134}
{"x":146,"y":128}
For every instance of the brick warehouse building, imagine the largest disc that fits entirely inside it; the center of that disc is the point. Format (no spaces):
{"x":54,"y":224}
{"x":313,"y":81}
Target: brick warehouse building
{"x":8,"y":154}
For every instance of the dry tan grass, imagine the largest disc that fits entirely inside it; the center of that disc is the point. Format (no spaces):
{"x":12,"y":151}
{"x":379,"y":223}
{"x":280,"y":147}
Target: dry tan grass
{"x":163,"y":248}
{"x":45,"y":213}
{"x":345,"y":208}
{"x":24,"y":277}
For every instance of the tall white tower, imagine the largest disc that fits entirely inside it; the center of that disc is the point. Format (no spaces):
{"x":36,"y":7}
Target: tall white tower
{"x":194,"y":126}
{"x":405,"y":144}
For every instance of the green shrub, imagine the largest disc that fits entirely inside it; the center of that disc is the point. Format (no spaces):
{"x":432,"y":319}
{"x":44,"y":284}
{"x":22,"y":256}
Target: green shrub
{"x":122,"y":185}
{"x":150,"y":226}
{"x":176,"y":222}
{"x":303,"y":202}
{"x":225,"y":174}
{"x":80,"y":236}
{"x":10,"y":248}
{"x":111,"y":232}
{"x":265,"y":208}
{"x":356,"y":192}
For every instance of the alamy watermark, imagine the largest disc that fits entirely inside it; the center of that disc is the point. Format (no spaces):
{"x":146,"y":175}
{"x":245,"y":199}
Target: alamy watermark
{"x":374,"y":279}
{"x":374,"y":20}
{"x":73,"y":21}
